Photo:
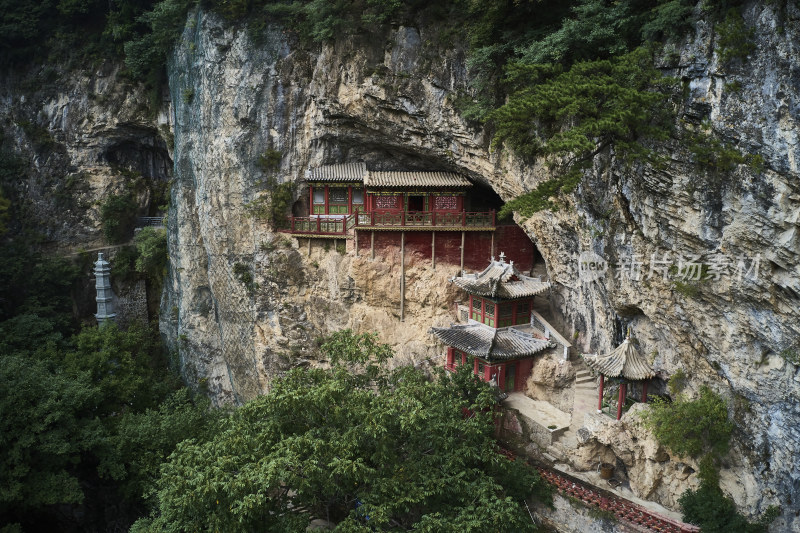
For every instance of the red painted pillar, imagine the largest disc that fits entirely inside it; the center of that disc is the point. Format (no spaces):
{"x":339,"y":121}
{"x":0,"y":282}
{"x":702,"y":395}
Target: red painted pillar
{"x":600,"y":398}
{"x":349,"y":199}
{"x":449,"y":363}
{"x":326,"y":200}
{"x":620,"y":400}
{"x":475,"y":367}
{"x":310,"y":199}
{"x":644,"y":392}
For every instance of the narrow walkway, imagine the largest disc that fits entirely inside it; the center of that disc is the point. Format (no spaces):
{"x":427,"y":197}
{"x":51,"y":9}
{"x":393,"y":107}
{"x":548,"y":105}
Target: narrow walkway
{"x":643,"y":515}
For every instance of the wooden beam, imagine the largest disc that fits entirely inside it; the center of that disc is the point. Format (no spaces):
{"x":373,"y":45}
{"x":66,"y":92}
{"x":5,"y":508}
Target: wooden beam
{"x":355,"y":239}
{"x":433,"y":249}
{"x":463,"y":237}
{"x":600,"y":398}
{"x":402,"y":276}
{"x":492,"y":253}
{"x":309,"y":247}
{"x":372,"y":245}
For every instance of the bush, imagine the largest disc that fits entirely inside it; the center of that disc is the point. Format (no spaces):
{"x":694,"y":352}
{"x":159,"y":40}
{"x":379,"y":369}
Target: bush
{"x":735,"y":39}
{"x":151,"y":244}
{"x":692,"y":427}
{"x":118,"y":217}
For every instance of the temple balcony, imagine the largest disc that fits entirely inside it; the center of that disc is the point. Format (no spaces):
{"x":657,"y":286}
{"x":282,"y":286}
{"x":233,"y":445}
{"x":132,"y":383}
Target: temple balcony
{"x":340,"y":225}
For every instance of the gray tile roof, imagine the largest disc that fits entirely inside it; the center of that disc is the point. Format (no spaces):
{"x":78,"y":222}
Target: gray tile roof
{"x":624,"y":361}
{"x":343,"y":172}
{"x":415,"y":179}
{"x":489,"y":343}
{"x":501,"y":280}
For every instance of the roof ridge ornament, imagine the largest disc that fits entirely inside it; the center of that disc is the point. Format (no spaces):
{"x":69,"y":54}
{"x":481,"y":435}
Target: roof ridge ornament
{"x":502,"y":257}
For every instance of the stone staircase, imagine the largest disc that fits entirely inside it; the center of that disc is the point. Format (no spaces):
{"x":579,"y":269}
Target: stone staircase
{"x":584,"y":401}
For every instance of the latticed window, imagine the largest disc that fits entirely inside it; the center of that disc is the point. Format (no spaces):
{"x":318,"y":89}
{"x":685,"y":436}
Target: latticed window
{"x":443,"y":203}
{"x":523,"y":312}
{"x":386,"y":202}
{"x":505,"y":315}
{"x":337,"y":201}
{"x":488,"y":319}
{"x":319,"y":201}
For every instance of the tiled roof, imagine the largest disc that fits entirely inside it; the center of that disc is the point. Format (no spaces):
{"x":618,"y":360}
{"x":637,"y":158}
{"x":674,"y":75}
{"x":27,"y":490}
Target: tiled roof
{"x":624,"y":361}
{"x":343,"y":172}
{"x":415,"y":179}
{"x":489,"y":343}
{"x":501,"y":280}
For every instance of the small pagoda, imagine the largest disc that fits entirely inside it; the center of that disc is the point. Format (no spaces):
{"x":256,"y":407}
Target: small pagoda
{"x":624,"y":362}
{"x":498,"y":339}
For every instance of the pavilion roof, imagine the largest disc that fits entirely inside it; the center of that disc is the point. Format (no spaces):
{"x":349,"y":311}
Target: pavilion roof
{"x":501,"y":280}
{"x":415,"y":179}
{"x":489,"y":343}
{"x":624,"y":361}
{"x":338,"y":173}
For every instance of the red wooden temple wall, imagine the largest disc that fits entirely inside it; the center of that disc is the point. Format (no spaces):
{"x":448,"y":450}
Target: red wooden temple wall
{"x":509,"y":239}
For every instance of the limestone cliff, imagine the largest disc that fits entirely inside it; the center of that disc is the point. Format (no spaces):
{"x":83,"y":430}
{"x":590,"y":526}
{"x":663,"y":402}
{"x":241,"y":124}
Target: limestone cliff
{"x":388,"y":102}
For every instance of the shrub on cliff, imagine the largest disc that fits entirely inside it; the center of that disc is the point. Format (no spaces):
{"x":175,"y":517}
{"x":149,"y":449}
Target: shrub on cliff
{"x":692,"y":427}
{"x":151,"y":245}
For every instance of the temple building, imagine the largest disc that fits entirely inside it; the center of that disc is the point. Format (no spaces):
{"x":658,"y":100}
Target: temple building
{"x":624,"y":363}
{"x":502,"y":333}
{"x":438,"y":214}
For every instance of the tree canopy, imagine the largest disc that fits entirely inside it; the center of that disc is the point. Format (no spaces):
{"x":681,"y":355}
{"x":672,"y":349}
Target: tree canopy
{"x":357,"y":444}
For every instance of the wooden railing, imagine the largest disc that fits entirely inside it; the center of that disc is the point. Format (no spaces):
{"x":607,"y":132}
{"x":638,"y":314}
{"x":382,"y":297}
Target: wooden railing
{"x":604,"y":500}
{"x":339,"y":225}
{"x":427,"y":219}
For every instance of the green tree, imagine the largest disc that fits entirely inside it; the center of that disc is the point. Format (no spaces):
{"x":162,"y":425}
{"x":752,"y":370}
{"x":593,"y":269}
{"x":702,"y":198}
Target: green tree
{"x":572,"y":115}
{"x":44,"y":429}
{"x":121,"y":365}
{"x":151,"y":244}
{"x":368,"y":448}
{"x":118,"y":216}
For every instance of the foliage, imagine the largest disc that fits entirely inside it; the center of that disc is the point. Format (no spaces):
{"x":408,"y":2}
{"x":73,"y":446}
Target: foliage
{"x":270,"y":161}
{"x":691,"y":427}
{"x":368,"y":448}
{"x":187,"y":95}
{"x":572,"y":115}
{"x":44,"y":429}
{"x":602,"y":103}
{"x":151,"y":245}
{"x":33,"y":285}
{"x":144,"y":440}
{"x":717,"y":157}
{"x":120,"y":366}
{"x":123,"y":267}
{"x":735,"y":40}
{"x":273,"y":206}
{"x":67,"y":416}
{"x":677,"y":382}
{"x":145,"y":55}
{"x":243,"y":274}
{"x":791,"y":355}
{"x":710,"y":509}
{"x":118,"y":217}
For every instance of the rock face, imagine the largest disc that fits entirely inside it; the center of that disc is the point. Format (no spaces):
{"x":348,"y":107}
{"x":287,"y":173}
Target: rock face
{"x":242,"y":303}
{"x":83,"y":135}
{"x":387,"y":101}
